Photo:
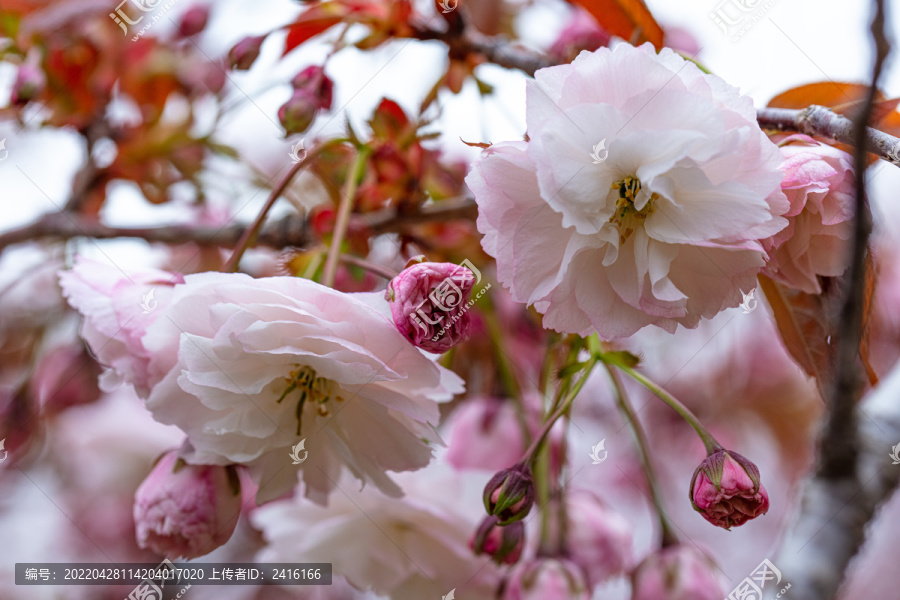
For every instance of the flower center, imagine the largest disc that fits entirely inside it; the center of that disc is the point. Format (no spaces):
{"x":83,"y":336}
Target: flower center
{"x":626,"y":217}
{"x":312,"y":388}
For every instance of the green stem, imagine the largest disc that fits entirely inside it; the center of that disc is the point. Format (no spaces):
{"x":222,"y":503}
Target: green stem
{"x":542,"y":490}
{"x":668,"y":536}
{"x":712,"y":446}
{"x":561,"y":409}
{"x":343,"y":217}
{"x":505,"y":369}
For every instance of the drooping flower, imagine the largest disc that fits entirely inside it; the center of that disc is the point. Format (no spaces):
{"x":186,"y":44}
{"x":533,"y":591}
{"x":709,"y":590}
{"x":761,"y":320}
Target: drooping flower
{"x":819,"y":183}
{"x":638,"y":200}
{"x":546,"y":578}
{"x":429,"y":304}
{"x":117,"y":309}
{"x":726,"y":490}
{"x":252,"y":367}
{"x":410,"y":547}
{"x":186,"y":510}
{"x":677,"y":572}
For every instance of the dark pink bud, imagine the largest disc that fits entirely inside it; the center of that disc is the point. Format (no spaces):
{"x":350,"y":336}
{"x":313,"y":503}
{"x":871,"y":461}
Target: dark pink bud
{"x":193,"y":21}
{"x":186,"y":510}
{"x":581,"y":33}
{"x":242,"y":56}
{"x":30,"y":82}
{"x":430,"y":304}
{"x":298,"y":113}
{"x":313,"y":80}
{"x":676,"y":573}
{"x":726,"y":490}
{"x":509,"y":495}
{"x":503,"y":544}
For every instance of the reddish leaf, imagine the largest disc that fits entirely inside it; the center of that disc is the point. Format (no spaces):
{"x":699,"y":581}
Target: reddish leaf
{"x":304,"y":29}
{"x":808,"y":323}
{"x":626,"y":18}
{"x":839,"y":97}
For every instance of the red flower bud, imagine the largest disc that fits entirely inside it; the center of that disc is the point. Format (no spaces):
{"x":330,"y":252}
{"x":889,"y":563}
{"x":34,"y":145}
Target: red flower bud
{"x":242,"y":56}
{"x":503,"y":544}
{"x":726,"y":490}
{"x":509,"y":495}
{"x":193,"y":21}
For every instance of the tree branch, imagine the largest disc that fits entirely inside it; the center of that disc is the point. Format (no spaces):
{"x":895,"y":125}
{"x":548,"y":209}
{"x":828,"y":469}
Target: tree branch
{"x":291,"y":231}
{"x":822,"y":121}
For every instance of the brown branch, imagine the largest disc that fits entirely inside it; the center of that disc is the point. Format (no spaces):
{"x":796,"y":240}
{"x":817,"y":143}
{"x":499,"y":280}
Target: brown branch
{"x":292,"y":231}
{"x":822,"y":121}
{"x":497,"y":50}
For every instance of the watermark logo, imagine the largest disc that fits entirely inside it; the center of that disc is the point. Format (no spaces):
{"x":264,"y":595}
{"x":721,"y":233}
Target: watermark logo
{"x":736,"y":17}
{"x":148,"y":302}
{"x":298,"y":152}
{"x":750,"y":303}
{"x":751,"y":587}
{"x":123,"y":20}
{"x":4,"y":153}
{"x":895,"y":450}
{"x":448,"y":5}
{"x":295,"y":452}
{"x":148,"y":589}
{"x":5,"y":453}
{"x":448,"y":295}
{"x":595,"y":154}
{"x":450,"y":596}
{"x":595,"y":452}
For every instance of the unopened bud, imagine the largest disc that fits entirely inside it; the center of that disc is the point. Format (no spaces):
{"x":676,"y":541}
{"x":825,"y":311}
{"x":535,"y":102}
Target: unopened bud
{"x":243,"y":54}
{"x":193,"y":21}
{"x":503,"y":544}
{"x":509,"y":495}
{"x":315,"y":82}
{"x":727,"y":491}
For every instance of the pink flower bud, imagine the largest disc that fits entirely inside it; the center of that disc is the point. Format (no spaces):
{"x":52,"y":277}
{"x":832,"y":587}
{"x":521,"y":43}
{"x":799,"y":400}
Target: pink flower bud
{"x":546,"y":578}
{"x":598,"y":539}
{"x":676,"y":573}
{"x":186,"y":510}
{"x":726,"y":490}
{"x":503,"y":544}
{"x":313,"y":80}
{"x":509,"y":495}
{"x":30,"y":82}
{"x":65,"y":376}
{"x":581,"y":33}
{"x":430,"y":303}
{"x":193,"y":21}
{"x":243,"y":54}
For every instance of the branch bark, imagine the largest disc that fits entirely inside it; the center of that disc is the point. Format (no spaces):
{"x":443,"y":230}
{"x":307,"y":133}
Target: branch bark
{"x":292,"y":231}
{"x":821,"y":121}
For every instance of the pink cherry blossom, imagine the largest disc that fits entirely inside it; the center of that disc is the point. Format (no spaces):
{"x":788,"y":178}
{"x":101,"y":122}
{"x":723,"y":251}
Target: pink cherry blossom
{"x":598,"y":538}
{"x":664,"y":228}
{"x":546,"y":578}
{"x":252,"y":367}
{"x":117,"y":308}
{"x":819,"y":183}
